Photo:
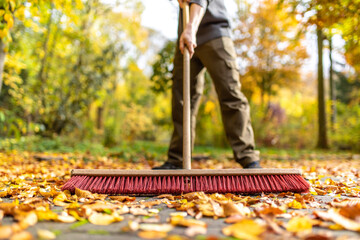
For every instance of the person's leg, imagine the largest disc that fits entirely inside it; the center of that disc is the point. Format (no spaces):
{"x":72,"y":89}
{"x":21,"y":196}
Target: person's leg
{"x":219,"y":57}
{"x":175,"y":151}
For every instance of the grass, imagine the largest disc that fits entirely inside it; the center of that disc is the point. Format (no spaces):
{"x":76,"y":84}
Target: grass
{"x":129,"y":150}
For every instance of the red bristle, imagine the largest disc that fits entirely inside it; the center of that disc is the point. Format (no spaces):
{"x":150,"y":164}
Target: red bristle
{"x":180,"y":184}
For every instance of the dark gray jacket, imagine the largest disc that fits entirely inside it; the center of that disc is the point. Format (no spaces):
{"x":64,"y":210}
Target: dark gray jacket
{"x":214,"y":24}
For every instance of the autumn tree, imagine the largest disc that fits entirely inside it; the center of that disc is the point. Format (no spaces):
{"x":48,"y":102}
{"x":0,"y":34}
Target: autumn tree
{"x":269,"y":44}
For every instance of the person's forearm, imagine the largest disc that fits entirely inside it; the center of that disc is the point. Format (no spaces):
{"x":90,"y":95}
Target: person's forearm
{"x":196,"y":15}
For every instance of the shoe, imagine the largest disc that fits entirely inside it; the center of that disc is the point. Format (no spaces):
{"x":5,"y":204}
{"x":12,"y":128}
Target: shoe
{"x":253,"y":165}
{"x":167,"y":166}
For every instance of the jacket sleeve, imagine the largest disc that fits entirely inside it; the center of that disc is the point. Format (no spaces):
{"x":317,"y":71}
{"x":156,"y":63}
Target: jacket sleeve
{"x":202,"y":3}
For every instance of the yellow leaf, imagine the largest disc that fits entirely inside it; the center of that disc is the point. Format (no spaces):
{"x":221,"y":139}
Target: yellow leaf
{"x":152,"y":234}
{"x":83,"y":193}
{"x":295,"y":204}
{"x":104,"y":219}
{"x":22,"y":236}
{"x":299,"y":224}
{"x":246,"y":229}
{"x":181,"y":221}
{"x":5,"y":232}
{"x":60,"y":199}
{"x":45,"y":234}
{"x":46,"y":215}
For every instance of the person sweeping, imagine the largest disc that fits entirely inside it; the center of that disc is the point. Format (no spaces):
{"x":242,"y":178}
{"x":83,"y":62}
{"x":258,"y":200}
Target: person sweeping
{"x":207,"y":38}
{"x":214,"y":50}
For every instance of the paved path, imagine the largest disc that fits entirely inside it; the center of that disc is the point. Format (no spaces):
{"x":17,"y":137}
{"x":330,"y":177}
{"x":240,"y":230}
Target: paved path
{"x":113,"y":231}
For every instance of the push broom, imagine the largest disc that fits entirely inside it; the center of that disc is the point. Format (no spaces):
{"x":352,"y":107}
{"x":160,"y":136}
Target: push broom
{"x":151,"y":182}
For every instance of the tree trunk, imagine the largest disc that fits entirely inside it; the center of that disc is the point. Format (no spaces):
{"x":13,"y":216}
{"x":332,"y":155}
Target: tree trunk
{"x":332,"y":88}
{"x":2,"y":61}
{"x":99,"y":118}
{"x":322,"y":130}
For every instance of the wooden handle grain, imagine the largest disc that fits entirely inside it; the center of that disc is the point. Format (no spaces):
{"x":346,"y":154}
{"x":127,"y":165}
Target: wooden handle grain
{"x":184,"y":172}
{"x":186,"y":98}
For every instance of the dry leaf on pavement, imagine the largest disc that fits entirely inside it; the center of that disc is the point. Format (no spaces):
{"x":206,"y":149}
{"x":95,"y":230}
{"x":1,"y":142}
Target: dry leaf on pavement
{"x":246,"y":229}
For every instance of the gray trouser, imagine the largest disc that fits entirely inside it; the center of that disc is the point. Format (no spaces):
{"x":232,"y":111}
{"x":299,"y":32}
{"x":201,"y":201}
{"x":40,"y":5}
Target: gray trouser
{"x":218,"y":56}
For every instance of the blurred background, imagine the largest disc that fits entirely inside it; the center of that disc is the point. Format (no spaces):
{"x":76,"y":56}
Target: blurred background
{"x":98,"y":73}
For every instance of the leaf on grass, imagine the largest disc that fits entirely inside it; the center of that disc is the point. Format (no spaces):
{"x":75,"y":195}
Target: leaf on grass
{"x":104,"y":219}
{"x":152,"y":234}
{"x":45,"y":234}
{"x":246,"y":229}
{"x":299,"y":224}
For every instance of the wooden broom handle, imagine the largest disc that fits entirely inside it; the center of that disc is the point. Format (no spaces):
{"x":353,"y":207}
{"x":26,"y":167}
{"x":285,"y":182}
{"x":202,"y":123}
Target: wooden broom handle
{"x":186,"y":97}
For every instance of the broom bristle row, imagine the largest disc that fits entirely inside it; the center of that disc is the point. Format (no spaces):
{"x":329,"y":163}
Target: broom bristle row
{"x":248,"y":184}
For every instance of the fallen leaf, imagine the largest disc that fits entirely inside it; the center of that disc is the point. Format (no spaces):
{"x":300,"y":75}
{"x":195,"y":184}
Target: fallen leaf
{"x":122,"y":198}
{"x":104,"y":219}
{"x":156,"y":227}
{"x":299,"y":224}
{"x":152,"y":234}
{"x":46,"y":215}
{"x":138,"y":211}
{"x":65,"y":218}
{"x":181,"y":221}
{"x":83,"y":194}
{"x":167,"y":196}
{"x":196,"y":230}
{"x":234,"y":219}
{"x":45,"y":234}
{"x":269,"y":211}
{"x":333,"y":215}
{"x":8,"y":208}
{"x":231,"y":209}
{"x":246,"y":229}
{"x":5,"y":232}
{"x":100,"y":206}
{"x":60,"y":199}
{"x":22,"y":236}
{"x":295,"y":205}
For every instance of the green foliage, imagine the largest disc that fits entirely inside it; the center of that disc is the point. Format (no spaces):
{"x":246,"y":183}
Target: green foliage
{"x":346,"y":135}
{"x":162,"y":68}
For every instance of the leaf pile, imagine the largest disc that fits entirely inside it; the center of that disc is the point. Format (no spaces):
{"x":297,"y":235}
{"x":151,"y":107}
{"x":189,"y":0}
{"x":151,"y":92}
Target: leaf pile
{"x":30,"y":192}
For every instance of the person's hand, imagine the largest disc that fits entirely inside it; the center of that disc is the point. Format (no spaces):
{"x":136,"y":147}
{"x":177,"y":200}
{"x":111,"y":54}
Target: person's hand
{"x":188,"y":40}
{"x":181,"y":2}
